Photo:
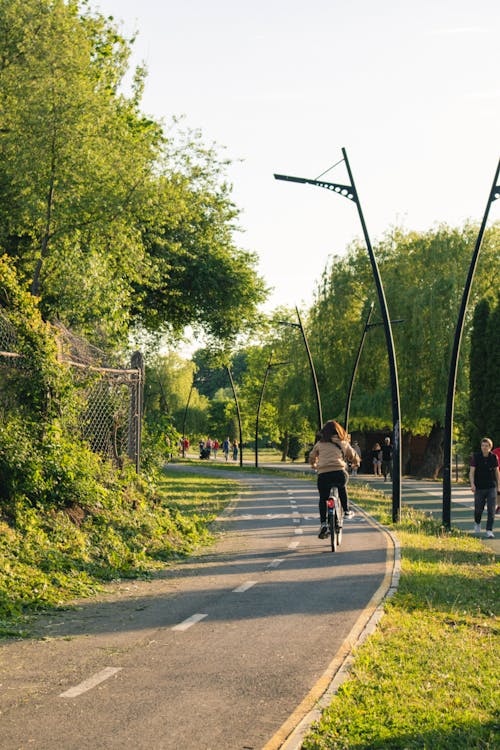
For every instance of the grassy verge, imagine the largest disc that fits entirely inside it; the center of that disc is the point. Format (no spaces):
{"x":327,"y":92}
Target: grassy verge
{"x":51,"y":557}
{"x":429,"y":676}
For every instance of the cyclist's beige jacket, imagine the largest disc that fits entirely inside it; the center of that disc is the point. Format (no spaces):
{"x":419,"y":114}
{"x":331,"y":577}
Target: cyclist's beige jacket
{"x":328,"y":456}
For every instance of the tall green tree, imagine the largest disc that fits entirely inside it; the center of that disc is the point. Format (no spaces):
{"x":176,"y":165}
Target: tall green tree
{"x":423,"y":275}
{"x":112,"y":222}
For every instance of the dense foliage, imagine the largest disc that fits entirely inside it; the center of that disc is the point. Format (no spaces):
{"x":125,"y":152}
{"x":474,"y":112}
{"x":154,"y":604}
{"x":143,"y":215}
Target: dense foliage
{"x":112,"y":222}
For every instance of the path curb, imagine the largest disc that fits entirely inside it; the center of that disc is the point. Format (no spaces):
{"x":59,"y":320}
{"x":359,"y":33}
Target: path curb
{"x":291,"y":737}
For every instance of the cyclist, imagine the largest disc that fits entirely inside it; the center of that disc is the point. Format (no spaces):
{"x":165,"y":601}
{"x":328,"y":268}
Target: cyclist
{"x":329,"y":457}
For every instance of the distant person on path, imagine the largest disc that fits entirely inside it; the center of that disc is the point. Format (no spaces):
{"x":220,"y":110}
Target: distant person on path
{"x":329,"y":457}
{"x":484,"y":478}
{"x":377,"y":459}
{"x":215,"y":448}
{"x":225,"y":448}
{"x":496,"y":451}
{"x":387,"y":458}
{"x":235,"y":450}
{"x":357,"y":450}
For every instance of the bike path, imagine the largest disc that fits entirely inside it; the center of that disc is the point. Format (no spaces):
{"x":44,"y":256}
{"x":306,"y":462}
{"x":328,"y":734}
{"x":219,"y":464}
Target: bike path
{"x":425,"y":495}
{"x":215,"y":653}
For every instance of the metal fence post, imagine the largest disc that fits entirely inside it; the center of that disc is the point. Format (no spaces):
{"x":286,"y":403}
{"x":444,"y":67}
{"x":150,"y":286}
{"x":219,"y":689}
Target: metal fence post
{"x":136,"y":411}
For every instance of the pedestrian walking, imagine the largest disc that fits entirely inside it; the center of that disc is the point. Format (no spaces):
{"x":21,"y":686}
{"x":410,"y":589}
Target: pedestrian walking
{"x":225,"y":448}
{"x":377,"y":459}
{"x":357,"y":450}
{"x":484,"y":478}
{"x":235,"y":450}
{"x":496,"y":451}
{"x":387,"y":458}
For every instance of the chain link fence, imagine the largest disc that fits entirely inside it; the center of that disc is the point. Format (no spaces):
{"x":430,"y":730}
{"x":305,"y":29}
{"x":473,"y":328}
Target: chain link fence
{"x":111,"y":395}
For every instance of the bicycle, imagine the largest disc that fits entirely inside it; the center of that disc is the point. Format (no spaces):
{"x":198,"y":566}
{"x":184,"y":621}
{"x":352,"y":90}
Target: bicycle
{"x":335,"y":518}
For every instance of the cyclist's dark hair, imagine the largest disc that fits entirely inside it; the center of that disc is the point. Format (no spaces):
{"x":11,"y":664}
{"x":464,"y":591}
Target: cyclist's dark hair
{"x":332,"y":429}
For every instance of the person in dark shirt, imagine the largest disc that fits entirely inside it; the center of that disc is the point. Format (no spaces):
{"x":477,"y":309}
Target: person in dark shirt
{"x":496,"y":451}
{"x":484,"y":482}
{"x":387,"y":458}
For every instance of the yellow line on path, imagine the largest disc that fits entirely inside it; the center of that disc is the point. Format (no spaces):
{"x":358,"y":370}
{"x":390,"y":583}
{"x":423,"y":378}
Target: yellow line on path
{"x":325,"y":680}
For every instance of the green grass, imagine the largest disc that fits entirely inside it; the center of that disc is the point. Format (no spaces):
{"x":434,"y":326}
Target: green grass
{"x":429,"y":676}
{"x":47,"y":559}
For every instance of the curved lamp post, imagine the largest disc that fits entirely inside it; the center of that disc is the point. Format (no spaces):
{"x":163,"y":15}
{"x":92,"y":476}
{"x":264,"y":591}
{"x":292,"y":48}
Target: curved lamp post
{"x":184,"y":420}
{"x":237,"y":411}
{"x":269,"y":367}
{"x":452,"y":378}
{"x":355,"y":368}
{"x":367,"y":327}
{"x":350,"y":192}
{"x":311,"y":364}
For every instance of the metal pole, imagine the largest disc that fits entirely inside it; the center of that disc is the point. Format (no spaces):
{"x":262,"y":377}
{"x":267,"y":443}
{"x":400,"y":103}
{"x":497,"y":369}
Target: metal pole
{"x":313,"y":372}
{"x":184,"y":420}
{"x":396,"y":411}
{"x":349,"y":192}
{"x":452,"y":378}
{"x":237,"y":412}
{"x":355,"y":368}
{"x":137,"y":408}
{"x":269,"y":365}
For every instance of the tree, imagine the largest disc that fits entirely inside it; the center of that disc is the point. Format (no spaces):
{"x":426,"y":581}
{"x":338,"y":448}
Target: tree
{"x":111,"y":221}
{"x":76,"y":156}
{"x":423,"y":275}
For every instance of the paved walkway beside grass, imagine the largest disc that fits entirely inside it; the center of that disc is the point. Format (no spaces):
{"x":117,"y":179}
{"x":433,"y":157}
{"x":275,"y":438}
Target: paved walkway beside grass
{"x":427,"y":495}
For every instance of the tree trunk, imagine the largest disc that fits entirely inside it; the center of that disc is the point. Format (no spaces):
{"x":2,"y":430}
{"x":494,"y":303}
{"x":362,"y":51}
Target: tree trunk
{"x":433,"y":457}
{"x":35,"y":284}
{"x":285,"y":447}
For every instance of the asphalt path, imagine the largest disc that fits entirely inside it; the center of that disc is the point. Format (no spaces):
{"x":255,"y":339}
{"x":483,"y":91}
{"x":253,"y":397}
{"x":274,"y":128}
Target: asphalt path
{"x":228,"y":649}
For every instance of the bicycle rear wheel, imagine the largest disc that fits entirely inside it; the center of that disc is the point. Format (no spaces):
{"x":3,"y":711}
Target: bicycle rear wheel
{"x":338,"y":530}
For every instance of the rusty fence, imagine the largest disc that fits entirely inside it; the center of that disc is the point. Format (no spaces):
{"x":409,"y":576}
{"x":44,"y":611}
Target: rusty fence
{"x":111,"y":394}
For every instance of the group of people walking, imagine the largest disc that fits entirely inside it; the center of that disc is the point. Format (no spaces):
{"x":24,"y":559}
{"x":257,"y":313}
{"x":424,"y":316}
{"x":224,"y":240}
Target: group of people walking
{"x":209,"y":448}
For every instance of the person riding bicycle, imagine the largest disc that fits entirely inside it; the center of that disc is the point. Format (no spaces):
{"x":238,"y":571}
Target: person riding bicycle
{"x":329,"y":457}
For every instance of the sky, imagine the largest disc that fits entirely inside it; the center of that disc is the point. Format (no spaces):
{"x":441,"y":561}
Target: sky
{"x":410,"y":88}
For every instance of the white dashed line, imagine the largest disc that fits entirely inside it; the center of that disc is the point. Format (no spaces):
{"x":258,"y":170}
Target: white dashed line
{"x":275,"y":563}
{"x":92,"y":682}
{"x":293,"y":545}
{"x":244,"y":587}
{"x":190,"y":621}
{"x":296,"y":520}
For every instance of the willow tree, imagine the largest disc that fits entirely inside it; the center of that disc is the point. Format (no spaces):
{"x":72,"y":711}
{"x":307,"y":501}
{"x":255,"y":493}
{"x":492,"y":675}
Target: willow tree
{"x":424,"y":274}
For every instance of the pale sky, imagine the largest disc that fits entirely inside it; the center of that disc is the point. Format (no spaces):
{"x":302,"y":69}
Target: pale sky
{"x":411,"y":89}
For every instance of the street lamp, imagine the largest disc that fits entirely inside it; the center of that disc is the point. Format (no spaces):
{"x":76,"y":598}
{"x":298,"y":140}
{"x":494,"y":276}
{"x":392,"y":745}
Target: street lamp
{"x":355,"y":368}
{"x":311,"y":364}
{"x":228,"y":369}
{"x":367,"y":327}
{"x":193,"y":384}
{"x":184,"y":420}
{"x":350,"y":192}
{"x":270,"y":365}
{"x":452,"y":377}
